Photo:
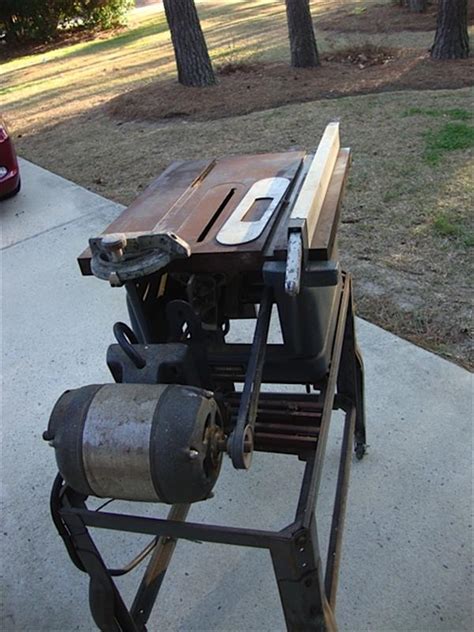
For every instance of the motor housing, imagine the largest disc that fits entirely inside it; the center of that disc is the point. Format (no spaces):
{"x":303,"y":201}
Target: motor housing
{"x":141,"y":442}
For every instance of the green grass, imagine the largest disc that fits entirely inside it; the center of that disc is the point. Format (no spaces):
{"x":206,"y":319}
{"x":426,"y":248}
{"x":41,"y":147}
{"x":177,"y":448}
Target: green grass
{"x":446,"y":226}
{"x":449,"y":137}
{"x":443,"y":226}
{"x":469,"y":240}
{"x":457,"y":114}
{"x":131,"y":36}
{"x":358,"y":10}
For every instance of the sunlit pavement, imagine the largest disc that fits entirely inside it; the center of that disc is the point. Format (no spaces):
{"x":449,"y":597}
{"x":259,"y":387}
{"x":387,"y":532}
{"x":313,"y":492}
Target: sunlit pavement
{"x":408,"y":540}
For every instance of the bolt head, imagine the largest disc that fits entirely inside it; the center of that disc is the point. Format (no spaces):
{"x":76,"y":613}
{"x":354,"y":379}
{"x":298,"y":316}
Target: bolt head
{"x":114,"y":241}
{"x":301,"y":540}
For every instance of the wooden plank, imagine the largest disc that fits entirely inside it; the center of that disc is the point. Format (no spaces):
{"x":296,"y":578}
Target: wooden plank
{"x":326,"y":229}
{"x":306,"y":211}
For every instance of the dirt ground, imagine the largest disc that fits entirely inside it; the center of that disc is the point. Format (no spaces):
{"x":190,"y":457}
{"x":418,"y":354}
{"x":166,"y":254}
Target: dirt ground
{"x":246,"y":87}
{"x":110,"y":116}
{"x":380,"y":18}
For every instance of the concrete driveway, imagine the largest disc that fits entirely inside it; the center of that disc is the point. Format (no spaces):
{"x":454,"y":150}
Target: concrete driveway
{"x":408,"y":543}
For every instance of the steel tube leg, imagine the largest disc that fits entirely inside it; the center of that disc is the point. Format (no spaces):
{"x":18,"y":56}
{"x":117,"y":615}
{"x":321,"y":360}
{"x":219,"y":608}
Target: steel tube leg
{"x":350,"y":381}
{"x":360,"y":436}
{"x":298,"y":571}
{"x":156,"y":571}
{"x":337,"y":525}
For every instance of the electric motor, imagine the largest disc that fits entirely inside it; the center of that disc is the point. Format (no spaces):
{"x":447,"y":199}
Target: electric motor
{"x":141,"y":442}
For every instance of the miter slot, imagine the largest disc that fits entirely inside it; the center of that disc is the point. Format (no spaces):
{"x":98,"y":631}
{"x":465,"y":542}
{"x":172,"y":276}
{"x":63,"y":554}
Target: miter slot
{"x":216,"y":216}
{"x":261,"y":201}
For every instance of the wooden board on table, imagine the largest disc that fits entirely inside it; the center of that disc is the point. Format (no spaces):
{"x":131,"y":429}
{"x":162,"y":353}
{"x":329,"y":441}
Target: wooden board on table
{"x":307,"y":206}
{"x":325,"y":233}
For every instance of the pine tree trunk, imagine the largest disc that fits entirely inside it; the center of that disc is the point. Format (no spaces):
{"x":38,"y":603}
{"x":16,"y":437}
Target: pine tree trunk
{"x":417,"y":6}
{"x":192,"y":58}
{"x":304,"y":52}
{"x":451,"y":39}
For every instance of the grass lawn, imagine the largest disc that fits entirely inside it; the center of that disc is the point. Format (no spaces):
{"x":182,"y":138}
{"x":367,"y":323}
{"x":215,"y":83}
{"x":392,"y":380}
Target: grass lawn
{"x":407,"y":232}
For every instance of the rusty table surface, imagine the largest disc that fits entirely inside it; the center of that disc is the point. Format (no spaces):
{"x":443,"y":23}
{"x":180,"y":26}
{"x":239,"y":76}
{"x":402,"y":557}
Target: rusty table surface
{"x":193,"y":199}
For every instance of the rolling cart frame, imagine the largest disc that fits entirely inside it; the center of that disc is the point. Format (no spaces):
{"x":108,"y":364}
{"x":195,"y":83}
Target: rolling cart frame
{"x":308,"y":595}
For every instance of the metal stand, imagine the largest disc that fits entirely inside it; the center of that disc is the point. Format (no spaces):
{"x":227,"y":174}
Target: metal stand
{"x":307,"y":594}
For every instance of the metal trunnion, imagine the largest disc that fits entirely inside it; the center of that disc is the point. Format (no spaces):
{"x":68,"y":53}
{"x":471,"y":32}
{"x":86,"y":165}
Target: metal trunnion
{"x":207,"y":244}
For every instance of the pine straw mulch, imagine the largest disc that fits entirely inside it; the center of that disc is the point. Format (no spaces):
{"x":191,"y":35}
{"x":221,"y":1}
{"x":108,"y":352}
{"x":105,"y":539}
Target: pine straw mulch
{"x":383,"y":18}
{"x":245,"y":88}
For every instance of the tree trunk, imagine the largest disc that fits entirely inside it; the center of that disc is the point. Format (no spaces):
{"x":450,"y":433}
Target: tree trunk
{"x":192,"y":59}
{"x":451,"y":39}
{"x":304,"y":52}
{"x":417,"y":6}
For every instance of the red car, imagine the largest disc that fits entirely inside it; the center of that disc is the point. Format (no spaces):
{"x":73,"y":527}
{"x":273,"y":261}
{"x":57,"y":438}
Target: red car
{"x":9,"y":172}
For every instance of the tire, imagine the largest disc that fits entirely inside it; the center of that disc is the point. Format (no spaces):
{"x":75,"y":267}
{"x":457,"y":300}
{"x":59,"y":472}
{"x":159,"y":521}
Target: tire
{"x":12,"y":193}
